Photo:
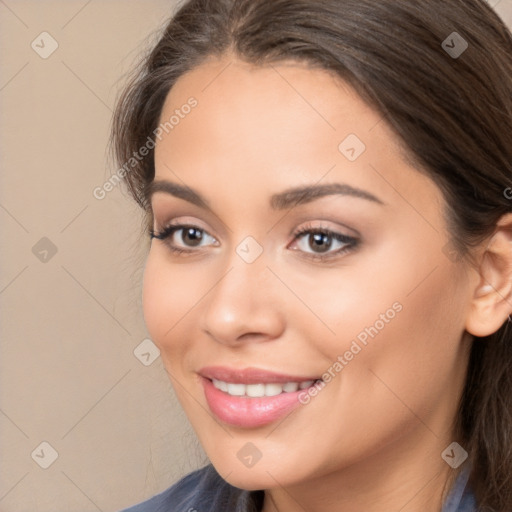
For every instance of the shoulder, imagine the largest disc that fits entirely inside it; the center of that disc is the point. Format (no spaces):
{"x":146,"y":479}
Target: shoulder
{"x":203,"y":490}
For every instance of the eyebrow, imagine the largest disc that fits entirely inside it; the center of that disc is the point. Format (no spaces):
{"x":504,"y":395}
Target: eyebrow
{"x":176,"y":190}
{"x":287,"y":199}
{"x":302,"y":195}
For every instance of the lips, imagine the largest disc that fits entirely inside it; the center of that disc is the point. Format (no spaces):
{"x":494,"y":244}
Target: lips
{"x":251,"y":397}
{"x":250,"y":375}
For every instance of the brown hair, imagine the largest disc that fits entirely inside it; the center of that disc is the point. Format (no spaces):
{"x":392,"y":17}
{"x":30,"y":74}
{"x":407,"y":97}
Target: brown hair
{"x":452,"y":114}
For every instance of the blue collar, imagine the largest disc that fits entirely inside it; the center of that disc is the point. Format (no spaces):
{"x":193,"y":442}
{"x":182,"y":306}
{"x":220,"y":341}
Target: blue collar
{"x":461,"y":498}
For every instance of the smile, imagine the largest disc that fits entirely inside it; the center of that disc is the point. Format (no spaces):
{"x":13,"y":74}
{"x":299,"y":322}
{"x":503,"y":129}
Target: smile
{"x":251,"y":397}
{"x":260,"y":389}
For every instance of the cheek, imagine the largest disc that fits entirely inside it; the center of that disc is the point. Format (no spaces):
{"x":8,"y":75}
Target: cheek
{"x":166,"y":298}
{"x":399,"y":320}
{"x":407,"y":295}
{"x":414,"y":364}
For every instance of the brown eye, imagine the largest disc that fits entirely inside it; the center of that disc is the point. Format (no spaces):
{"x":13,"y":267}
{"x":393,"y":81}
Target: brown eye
{"x":323,"y":242}
{"x":319,"y":242}
{"x":184,"y":237}
{"x":191,"y":236}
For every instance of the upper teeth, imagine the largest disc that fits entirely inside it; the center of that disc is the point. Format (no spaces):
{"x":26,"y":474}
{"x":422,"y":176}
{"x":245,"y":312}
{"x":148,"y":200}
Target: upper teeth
{"x":257,"y":390}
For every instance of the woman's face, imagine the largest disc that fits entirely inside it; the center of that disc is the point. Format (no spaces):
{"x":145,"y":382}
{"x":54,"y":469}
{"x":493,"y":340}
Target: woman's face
{"x":311,"y":251}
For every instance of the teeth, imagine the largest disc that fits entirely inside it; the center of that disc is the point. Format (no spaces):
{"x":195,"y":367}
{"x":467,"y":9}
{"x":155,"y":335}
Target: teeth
{"x":273,"y":389}
{"x":236,"y":389}
{"x":220,"y":384}
{"x":254,"y":390}
{"x":260,"y":390}
{"x":291,"y":387}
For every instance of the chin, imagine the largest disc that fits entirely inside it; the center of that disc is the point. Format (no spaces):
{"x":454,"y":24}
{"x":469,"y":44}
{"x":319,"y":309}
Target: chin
{"x":264,"y":474}
{"x":250,"y":479}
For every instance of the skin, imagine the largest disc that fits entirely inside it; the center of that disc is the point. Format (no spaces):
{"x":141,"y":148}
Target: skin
{"x":372,"y":438}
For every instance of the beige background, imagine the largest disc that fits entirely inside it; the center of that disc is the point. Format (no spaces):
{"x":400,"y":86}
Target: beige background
{"x":70,"y":321}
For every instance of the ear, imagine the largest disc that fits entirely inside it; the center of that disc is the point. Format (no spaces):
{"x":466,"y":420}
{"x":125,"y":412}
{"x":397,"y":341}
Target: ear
{"x":492,"y":300}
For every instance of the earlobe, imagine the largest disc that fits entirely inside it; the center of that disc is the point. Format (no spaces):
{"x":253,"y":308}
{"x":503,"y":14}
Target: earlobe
{"x":492,"y":299}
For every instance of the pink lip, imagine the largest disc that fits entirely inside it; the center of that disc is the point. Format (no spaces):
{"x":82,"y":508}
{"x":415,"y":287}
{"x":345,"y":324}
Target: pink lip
{"x":249,"y":375}
{"x":249,"y":412}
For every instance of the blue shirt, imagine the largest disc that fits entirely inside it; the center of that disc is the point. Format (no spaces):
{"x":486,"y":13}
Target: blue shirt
{"x":204,"y":490}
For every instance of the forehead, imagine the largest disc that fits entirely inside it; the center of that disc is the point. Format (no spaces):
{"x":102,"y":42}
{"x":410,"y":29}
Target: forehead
{"x":276,"y":123}
{"x":290,"y":100}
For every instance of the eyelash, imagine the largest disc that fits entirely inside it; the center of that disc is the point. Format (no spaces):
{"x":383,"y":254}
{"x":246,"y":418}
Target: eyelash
{"x":351,"y":242}
{"x":168,"y":231}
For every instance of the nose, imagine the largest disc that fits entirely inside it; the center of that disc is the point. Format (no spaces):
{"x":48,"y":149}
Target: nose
{"x":244,"y":305}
